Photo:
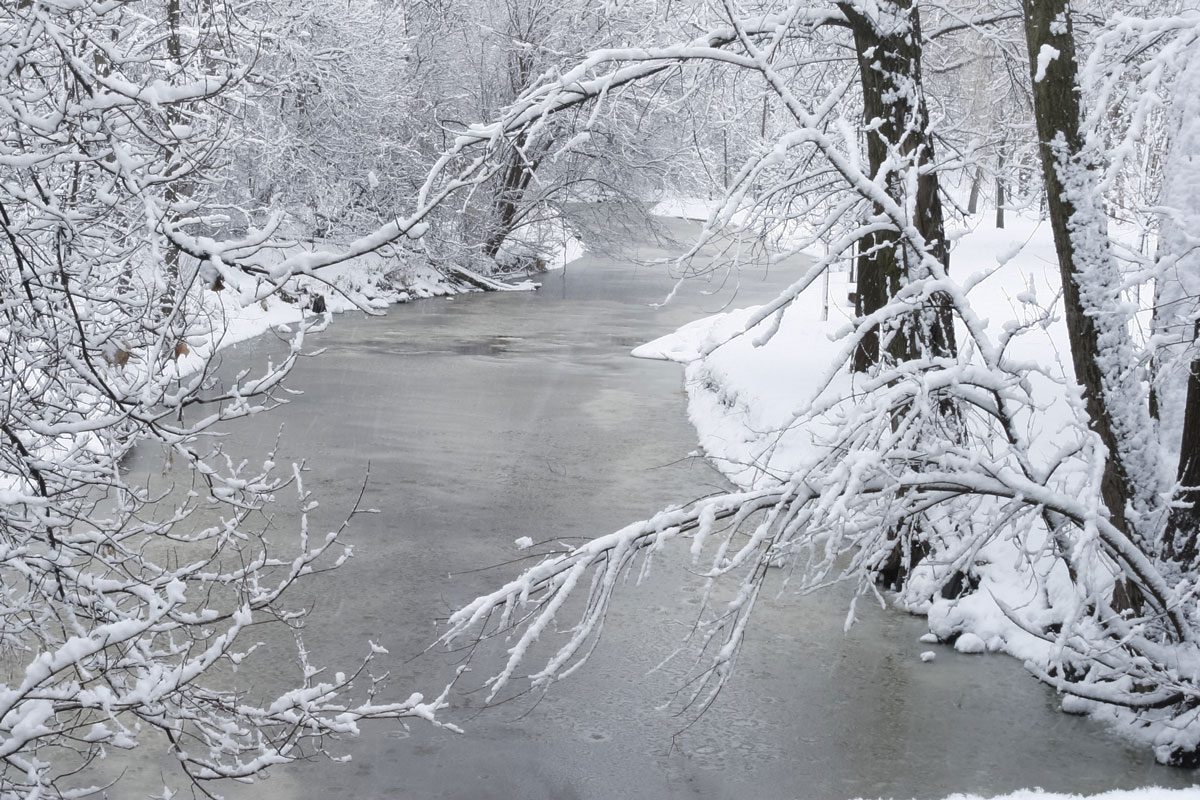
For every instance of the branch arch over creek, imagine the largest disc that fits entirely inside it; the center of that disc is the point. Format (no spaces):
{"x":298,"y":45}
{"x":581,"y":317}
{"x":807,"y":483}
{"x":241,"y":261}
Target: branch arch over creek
{"x":486,"y":418}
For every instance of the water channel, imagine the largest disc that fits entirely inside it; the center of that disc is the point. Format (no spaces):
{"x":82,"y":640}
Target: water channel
{"x":486,"y":418}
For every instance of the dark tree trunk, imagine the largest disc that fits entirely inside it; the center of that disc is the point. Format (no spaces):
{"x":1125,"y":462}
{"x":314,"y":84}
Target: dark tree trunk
{"x":180,"y":189}
{"x":1176,"y":300}
{"x":890,"y":75}
{"x":973,"y":203}
{"x":1183,"y":523}
{"x":512,"y":193}
{"x":515,"y":181}
{"x":889,"y":57}
{"x":1081,"y":241}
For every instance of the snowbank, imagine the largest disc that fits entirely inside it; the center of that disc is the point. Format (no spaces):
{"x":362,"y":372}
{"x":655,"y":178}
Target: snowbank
{"x":744,"y":392}
{"x":540,"y":246}
{"x":374,"y":281}
{"x":1147,"y":793}
{"x":745,"y":388}
{"x":692,"y":208}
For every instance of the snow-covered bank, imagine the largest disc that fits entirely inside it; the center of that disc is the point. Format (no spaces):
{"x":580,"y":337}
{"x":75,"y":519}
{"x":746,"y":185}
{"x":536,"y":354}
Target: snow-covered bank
{"x":744,"y":392}
{"x":375,"y":282}
{"x":1147,"y":793}
{"x":752,"y":387}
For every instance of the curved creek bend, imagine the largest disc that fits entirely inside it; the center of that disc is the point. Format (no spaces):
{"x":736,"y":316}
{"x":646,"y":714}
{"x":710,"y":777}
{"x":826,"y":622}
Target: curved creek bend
{"x":485,"y":418}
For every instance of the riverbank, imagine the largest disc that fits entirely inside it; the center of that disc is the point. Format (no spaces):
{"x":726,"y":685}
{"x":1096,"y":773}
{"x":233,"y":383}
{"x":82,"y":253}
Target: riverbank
{"x":747,"y":383}
{"x":744,"y":388}
{"x":496,"y":418}
{"x":373,"y":283}
{"x":1148,"y":793}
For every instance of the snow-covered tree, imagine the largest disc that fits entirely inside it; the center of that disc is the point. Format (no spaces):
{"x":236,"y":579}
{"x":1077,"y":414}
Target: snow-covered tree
{"x":489,"y":53}
{"x":333,"y":125}
{"x":1083,"y":503}
{"x":1176,"y":313}
{"x":142,"y":163}
{"x":125,"y":601}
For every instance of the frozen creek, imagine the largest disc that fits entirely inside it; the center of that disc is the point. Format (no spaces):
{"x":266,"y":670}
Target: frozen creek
{"x":491,"y":417}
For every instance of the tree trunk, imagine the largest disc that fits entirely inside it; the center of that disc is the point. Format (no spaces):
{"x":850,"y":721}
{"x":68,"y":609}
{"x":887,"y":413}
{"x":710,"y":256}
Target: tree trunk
{"x":1000,"y":198}
{"x":178,"y":190}
{"x":889,"y":56}
{"x":889,"y":48}
{"x":973,"y":203}
{"x":1176,"y":297}
{"x":509,"y":196}
{"x":1096,"y":316}
{"x":1183,"y":523}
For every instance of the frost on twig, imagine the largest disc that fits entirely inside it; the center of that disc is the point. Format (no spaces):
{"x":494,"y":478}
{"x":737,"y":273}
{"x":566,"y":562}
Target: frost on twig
{"x":130,"y":596}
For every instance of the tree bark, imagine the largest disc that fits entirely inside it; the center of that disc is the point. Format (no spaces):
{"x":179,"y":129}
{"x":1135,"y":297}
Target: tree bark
{"x":1183,"y":523}
{"x":1000,"y":198}
{"x":1101,"y":352}
{"x":973,"y":202}
{"x":888,"y":42}
{"x":181,"y":189}
{"x":511,"y":193}
{"x":895,"y":113}
{"x":1176,"y":303}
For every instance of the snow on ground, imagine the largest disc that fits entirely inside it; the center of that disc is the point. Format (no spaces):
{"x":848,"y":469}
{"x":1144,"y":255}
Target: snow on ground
{"x":742,"y":397}
{"x":374,"y":281}
{"x":683,"y":207}
{"x":548,"y":244}
{"x":744,"y":394}
{"x":223,"y":318}
{"x":1147,"y":793}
